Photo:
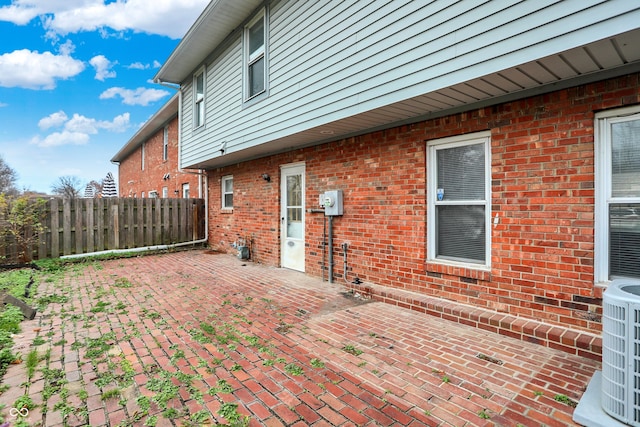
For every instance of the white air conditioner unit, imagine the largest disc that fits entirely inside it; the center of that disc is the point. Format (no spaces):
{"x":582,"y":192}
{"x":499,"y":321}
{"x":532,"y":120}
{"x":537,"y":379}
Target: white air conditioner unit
{"x":620,"y":392}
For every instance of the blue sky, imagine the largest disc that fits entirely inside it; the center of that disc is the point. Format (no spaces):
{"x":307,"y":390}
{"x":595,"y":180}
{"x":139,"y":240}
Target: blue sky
{"x":76,"y":81}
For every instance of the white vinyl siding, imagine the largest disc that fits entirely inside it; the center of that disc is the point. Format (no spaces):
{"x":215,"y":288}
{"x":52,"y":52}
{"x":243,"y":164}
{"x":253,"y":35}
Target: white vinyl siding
{"x":459,"y":200}
{"x":328,"y":61}
{"x":617,"y":232}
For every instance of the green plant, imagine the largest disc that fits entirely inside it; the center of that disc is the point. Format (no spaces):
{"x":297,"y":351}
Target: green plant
{"x":484,"y":415}
{"x":10,"y":319}
{"x":565,"y":399}
{"x":230,"y":412}
{"x":151,"y":421}
{"x":110,"y":394}
{"x":350,"y":348}
{"x":293,"y":369}
{"x":37,"y":341}
{"x":31,"y":362}
{"x":24,"y":401}
{"x":317,"y":363}
{"x":122,"y":282}
{"x":23,"y":219}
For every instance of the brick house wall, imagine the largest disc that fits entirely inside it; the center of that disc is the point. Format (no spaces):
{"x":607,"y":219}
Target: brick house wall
{"x":542,"y":160}
{"x":134,"y":181}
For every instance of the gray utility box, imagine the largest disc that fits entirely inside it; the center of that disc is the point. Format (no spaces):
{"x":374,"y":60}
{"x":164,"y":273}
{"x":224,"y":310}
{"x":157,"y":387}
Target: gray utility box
{"x":332,"y":203}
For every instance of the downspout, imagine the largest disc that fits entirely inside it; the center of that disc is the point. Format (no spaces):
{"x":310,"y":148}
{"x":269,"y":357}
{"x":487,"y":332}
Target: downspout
{"x":330,"y":244}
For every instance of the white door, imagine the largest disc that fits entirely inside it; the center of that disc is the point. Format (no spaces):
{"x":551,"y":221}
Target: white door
{"x":292,"y":217}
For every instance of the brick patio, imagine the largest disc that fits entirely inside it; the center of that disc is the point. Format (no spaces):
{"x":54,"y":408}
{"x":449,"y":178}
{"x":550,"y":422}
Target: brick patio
{"x":181,"y":338}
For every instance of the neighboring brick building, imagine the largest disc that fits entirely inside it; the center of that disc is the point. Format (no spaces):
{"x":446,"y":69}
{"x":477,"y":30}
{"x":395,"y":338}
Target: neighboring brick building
{"x":148,"y":162}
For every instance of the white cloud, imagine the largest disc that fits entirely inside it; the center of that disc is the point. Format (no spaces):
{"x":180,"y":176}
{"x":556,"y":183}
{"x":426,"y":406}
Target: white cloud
{"x":20,"y":13}
{"x":56,"y":119}
{"x":138,"y":66}
{"x":81,"y":124}
{"x":118,"y":124}
{"x":140,"y":96}
{"x":171,"y":18}
{"x":103,"y":67}
{"x":33,"y":70}
{"x":77,"y":129}
{"x":57,"y":139}
{"x":141,"y":66}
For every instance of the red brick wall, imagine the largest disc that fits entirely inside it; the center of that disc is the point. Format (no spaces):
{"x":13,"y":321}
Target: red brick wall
{"x":133,"y":180}
{"x":542,"y":190}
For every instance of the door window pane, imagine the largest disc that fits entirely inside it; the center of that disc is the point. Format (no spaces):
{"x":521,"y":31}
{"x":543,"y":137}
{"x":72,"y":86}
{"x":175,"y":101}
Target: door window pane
{"x":294,"y":206}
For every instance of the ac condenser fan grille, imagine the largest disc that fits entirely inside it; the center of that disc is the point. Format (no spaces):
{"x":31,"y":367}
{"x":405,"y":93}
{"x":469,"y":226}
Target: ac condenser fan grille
{"x":620,"y":394}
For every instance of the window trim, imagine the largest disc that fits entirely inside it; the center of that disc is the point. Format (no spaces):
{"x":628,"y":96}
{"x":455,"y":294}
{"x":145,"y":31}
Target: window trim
{"x":199,"y":120}
{"x":223,"y":181}
{"x":451,"y":142}
{"x":602,"y":122}
{"x":249,"y":59}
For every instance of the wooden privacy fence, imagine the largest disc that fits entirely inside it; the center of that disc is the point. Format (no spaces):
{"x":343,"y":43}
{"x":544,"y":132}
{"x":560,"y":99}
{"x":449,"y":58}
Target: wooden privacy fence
{"x":79,"y":226}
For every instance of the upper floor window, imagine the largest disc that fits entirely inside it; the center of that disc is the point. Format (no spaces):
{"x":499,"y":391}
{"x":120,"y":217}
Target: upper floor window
{"x":227,"y":192}
{"x":198,"y":98}
{"x":255,"y":71}
{"x":459,"y":197}
{"x":165,"y":143}
{"x":617,"y":209}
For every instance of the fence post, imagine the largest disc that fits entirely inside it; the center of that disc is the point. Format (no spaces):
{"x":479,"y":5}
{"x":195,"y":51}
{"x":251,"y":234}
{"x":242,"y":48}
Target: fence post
{"x":115,"y":226}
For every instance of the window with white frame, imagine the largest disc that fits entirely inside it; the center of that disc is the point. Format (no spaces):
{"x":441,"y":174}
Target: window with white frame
{"x":185,"y":190}
{"x":459,"y":195}
{"x":198,"y":98}
{"x":255,"y":70}
{"x":165,"y":192}
{"x":165,"y":143}
{"x":617,"y":210}
{"x":227,"y":192}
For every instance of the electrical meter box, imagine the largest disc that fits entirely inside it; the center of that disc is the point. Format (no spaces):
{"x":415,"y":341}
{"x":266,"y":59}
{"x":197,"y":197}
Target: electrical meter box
{"x":332,"y":202}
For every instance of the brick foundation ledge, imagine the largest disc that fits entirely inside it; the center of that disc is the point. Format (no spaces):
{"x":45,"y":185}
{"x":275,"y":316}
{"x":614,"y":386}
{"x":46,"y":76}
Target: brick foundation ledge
{"x":572,"y":341}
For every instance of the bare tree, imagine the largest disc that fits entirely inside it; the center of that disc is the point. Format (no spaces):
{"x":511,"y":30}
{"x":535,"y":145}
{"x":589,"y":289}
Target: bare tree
{"x":8,"y":178}
{"x":93,"y":189}
{"x":67,"y":187}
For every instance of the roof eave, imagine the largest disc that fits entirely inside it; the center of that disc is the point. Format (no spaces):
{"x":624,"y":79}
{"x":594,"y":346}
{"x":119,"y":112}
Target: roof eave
{"x":150,"y":127}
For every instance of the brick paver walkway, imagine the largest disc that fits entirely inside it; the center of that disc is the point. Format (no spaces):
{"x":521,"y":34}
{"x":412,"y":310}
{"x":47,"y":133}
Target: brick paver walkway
{"x":192,"y":338}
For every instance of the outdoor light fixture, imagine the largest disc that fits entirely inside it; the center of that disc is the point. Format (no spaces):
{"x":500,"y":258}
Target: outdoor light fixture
{"x":266,"y":177}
